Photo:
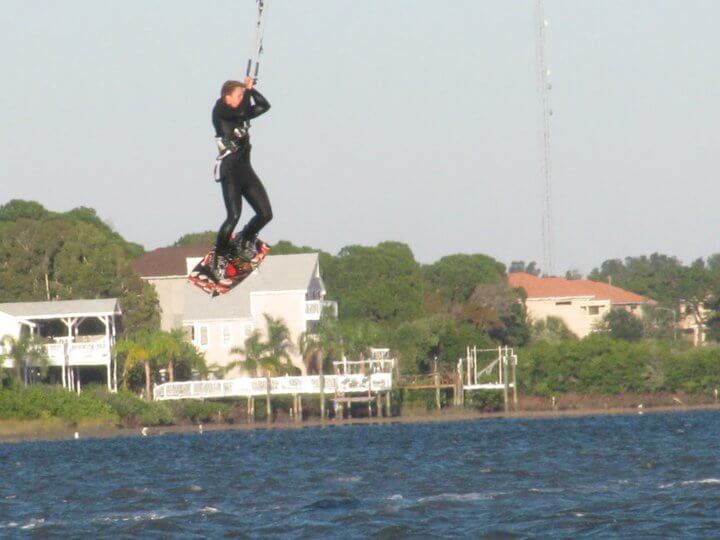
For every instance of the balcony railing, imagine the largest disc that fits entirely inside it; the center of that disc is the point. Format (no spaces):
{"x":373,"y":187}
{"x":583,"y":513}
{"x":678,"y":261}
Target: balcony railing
{"x":93,"y":351}
{"x":314,"y":308}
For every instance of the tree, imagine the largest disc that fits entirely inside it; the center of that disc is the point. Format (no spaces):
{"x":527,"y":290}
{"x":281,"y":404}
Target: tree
{"x":271,"y":356}
{"x":573,"y":274}
{"x":551,"y":330}
{"x":455,"y":277}
{"x":621,"y":324}
{"x":325,"y":344}
{"x":165,"y":347}
{"x":381,"y":284}
{"x":24,"y":352}
{"x":520,"y":266}
{"x":655,"y":276}
{"x":279,"y":346}
{"x":202,"y":239}
{"x":47,"y":255}
{"x":133,"y":352}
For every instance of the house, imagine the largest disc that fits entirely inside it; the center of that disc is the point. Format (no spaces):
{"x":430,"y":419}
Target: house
{"x":288,"y":287}
{"x":692,"y":325}
{"x":580,"y":303}
{"x":78,"y":334}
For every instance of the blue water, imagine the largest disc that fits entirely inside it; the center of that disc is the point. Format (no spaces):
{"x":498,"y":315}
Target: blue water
{"x":632,"y":476}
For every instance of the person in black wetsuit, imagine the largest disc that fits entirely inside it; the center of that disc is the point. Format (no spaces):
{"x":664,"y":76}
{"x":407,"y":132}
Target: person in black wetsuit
{"x":239,"y":103}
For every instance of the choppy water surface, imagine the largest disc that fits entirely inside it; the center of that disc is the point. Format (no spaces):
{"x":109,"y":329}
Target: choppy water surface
{"x":641,"y":476}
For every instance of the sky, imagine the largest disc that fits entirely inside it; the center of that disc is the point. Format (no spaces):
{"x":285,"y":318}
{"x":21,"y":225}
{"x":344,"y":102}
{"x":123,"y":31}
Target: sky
{"x":407,"y":120}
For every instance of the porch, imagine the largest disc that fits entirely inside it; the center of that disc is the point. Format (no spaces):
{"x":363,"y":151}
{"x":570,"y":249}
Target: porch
{"x":77,"y":334}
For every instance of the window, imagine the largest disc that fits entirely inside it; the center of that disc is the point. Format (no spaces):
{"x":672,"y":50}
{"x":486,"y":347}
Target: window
{"x":202,"y":333}
{"x":566,"y":303}
{"x":226,"y":334}
{"x":593,"y":310}
{"x":248,"y":330}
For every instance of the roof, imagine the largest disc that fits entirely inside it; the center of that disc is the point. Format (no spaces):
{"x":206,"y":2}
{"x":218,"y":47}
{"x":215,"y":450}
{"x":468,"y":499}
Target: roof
{"x":556,"y":287}
{"x":62,"y":308}
{"x":277,"y":273}
{"x":169,"y":261}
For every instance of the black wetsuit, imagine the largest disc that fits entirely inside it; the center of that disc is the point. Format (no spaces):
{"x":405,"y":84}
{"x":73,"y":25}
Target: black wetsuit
{"x":237,"y":176}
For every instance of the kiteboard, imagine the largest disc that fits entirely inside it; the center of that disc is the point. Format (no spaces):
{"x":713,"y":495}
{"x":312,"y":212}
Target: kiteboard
{"x":236,"y":271}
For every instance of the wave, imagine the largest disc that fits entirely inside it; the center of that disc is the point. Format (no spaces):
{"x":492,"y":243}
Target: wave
{"x":690,"y":482}
{"x":348,"y":478}
{"x":455,"y":497}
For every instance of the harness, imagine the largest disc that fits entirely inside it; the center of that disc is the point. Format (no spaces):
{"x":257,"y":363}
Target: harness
{"x":229,"y":145}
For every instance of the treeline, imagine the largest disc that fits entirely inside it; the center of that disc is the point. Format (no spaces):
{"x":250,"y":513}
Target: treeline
{"x":424,"y":312}
{"x":691,"y":290}
{"x":600,"y":364}
{"x":48,"y":255}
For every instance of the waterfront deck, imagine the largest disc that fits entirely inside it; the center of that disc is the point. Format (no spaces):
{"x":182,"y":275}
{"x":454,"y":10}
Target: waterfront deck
{"x":289,"y":386}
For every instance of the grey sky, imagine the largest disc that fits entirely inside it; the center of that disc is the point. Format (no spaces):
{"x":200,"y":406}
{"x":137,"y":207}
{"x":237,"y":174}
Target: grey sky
{"x":411,"y":120}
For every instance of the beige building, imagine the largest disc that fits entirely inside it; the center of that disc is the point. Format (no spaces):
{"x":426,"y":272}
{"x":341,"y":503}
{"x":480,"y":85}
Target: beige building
{"x":288,"y":287}
{"x":580,"y":303}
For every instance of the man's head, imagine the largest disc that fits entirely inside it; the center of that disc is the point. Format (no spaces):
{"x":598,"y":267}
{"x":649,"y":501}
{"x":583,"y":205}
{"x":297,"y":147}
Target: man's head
{"x":232,"y":93}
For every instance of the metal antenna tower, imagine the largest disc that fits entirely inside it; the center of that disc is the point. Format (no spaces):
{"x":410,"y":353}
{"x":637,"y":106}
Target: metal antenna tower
{"x":545,"y":112}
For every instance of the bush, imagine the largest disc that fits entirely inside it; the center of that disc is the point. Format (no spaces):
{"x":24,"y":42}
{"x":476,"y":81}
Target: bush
{"x":200,"y":411}
{"x":132,"y":410}
{"x":51,"y":402}
{"x":603,"y":365}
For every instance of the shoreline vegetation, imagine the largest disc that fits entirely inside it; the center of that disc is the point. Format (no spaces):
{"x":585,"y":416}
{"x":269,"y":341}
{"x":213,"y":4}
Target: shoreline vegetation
{"x":196,"y":417}
{"x":426,"y":314}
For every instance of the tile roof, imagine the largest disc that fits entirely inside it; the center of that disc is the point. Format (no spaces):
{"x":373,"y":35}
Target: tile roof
{"x":556,"y":287}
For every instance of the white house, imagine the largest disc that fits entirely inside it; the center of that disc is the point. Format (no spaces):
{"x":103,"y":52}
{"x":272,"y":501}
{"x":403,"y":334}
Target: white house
{"x":288,"y":287}
{"x":77,"y":334}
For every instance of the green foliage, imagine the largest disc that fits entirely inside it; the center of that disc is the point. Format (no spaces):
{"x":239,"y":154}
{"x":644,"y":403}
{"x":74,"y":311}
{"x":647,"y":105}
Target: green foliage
{"x":382,"y":283}
{"x":19,"y":209}
{"x":419,"y":342}
{"x":520,"y":266}
{"x":51,"y":402}
{"x":70,"y":255}
{"x":552,"y":330}
{"x":132,"y":410}
{"x":151,"y":350}
{"x":200,"y":411}
{"x":603,"y":365}
{"x":24,"y":352}
{"x":622,"y":324}
{"x":455,"y":277}
{"x":272,"y":356}
{"x":202,"y":239}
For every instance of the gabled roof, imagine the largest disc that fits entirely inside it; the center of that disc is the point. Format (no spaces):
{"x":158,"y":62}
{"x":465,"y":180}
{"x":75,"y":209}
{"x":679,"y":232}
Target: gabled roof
{"x":62,"y":308}
{"x":277,"y":273}
{"x":556,"y":287}
{"x":166,"y":262}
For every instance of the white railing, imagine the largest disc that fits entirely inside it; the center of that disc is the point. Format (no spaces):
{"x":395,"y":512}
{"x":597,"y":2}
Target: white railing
{"x":314,"y":308}
{"x":55,"y":353}
{"x":249,"y":386}
{"x":84,"y":353}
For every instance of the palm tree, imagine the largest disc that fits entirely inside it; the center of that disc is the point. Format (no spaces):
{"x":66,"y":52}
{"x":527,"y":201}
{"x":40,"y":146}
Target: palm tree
{"x":25,"y":351}
{"x":252,"y":353}
{"x":278,"y":346}
{"x":271,"y":356}
{"x":136,"y":351}
{"x":165,"y":347}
